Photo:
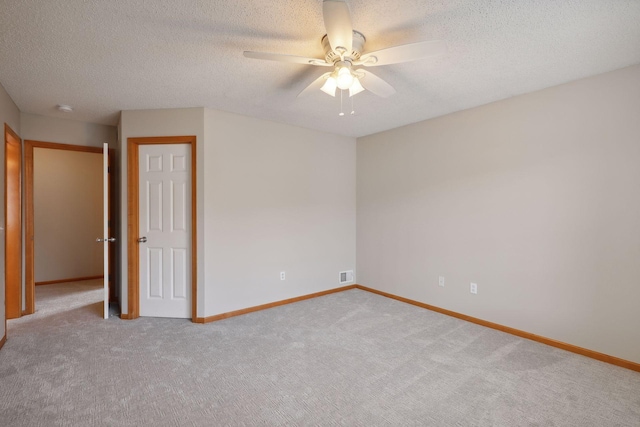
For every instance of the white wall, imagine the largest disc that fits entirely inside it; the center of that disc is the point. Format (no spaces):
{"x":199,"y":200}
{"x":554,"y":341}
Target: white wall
{"x":66,"y":131}
{"x":10,"y":115}
{"x":67,"y":195}
{"x":271,"y":198}
{"x":277,"y":198}
{"x":535,"y":198}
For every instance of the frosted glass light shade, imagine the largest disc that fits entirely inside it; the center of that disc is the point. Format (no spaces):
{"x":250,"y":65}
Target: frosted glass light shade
{"x":344,"y":78}
{"x":329,"y":86}
{"x":356,"y":87}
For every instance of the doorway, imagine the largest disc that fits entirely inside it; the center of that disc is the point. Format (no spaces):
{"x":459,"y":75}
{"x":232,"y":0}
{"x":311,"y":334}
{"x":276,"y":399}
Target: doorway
{"x":169,"y":279}
{"x":55,"y":244}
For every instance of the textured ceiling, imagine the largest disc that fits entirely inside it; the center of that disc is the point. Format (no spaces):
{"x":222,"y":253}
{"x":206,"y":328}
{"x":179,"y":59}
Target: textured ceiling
{"x":102,"y":57}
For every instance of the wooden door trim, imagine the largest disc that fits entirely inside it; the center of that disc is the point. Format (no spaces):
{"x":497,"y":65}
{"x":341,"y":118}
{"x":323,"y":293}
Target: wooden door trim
{"x":30,"y":287}
{"x":133,"y":220}
{"x":13,"y":288}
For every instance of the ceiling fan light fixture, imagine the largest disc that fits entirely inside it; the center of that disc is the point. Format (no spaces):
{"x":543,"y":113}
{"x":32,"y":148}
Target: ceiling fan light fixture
{"x":356,"y":87}
{"x":329,"y":86}
{"x":343,"y":49}
{"x":344,"y":79}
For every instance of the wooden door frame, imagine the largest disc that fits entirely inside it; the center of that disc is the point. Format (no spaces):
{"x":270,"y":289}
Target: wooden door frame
{"x":133,"y":220}
{"x":29,"y":218}
{"x":13,"y":229}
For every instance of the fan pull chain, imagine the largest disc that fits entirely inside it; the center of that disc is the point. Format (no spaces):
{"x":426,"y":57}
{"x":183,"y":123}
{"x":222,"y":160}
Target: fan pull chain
{"x":353,"y":111}
{"x":341,"y":111}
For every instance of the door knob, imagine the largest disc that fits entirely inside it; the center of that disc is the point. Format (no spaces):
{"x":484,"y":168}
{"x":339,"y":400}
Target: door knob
{"x":142,"y":239}
{"x":111,"y":239}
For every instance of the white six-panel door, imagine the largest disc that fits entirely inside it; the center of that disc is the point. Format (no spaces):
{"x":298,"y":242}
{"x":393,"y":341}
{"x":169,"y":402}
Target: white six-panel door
{"x":165,"y":224}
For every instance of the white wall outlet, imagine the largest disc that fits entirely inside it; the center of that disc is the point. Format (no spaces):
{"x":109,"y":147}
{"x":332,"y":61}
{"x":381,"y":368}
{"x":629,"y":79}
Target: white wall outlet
{"x":441,"y":281}
{"x":282,"y":275}
{"x":473,"y":288}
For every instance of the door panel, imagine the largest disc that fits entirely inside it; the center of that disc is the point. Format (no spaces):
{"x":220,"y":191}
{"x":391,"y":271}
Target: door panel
{"x":164,"y":213}
{"x":154,"y":277}
{"x":179,"y":268}
{"x":179,"y":196}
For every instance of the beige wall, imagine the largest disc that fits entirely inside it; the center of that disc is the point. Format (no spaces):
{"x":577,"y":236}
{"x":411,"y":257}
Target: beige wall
{"x":277,"y":198}
{"x":67,"y":195}
{"x":535,"y":198}
{"x":66,"y":131}
{"x":10,"y":115}
{"x":271,"y":198}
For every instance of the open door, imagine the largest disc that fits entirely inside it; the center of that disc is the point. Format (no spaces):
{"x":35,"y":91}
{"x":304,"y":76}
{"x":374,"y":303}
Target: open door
{"x":105,"y":240}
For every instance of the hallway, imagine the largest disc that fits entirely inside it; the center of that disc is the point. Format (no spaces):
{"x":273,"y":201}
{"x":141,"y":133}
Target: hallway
{"x":60,"y":298}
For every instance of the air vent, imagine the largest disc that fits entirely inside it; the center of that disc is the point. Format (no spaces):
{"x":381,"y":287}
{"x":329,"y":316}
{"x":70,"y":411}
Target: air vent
{"x":346,"y":277}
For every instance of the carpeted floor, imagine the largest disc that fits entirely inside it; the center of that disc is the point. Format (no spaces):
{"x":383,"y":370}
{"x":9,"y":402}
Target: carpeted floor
{"x":352,"y":358}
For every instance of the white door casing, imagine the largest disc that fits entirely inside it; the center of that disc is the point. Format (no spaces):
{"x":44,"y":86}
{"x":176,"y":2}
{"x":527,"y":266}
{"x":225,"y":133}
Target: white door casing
{"x":165,"y":224}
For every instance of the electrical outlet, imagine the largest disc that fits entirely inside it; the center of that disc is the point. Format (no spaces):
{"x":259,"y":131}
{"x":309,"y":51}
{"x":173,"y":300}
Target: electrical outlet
{"x":441,"y":281}
{"x":282,"y":275}
{"x":473,"y":288}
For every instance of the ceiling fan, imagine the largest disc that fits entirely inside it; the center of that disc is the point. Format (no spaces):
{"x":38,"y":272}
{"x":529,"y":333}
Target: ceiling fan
{"x":344,"y":51}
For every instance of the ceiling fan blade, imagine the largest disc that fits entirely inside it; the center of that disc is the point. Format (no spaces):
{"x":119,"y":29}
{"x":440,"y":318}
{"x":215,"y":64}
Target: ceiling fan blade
{"x":287,"y":58}
{"x":375,"y":84}
{"x":403,"y":53}
{"x":337,"y":22}
{"x":315,"y":85}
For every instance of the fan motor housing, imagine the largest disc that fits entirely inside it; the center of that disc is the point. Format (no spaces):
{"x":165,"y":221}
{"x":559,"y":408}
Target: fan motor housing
{"x":356,"y":48}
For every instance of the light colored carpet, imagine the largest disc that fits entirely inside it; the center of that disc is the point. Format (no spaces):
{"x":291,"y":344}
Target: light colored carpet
{"x":64,"y":297}
{"x":352,"y":358}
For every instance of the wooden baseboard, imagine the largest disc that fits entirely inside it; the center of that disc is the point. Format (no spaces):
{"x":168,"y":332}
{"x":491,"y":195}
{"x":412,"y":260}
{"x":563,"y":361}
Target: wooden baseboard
{"x":3,"y":340}
{"x":125,"y":316}
{"x":527,"y":335}
{"x":270,"y":305}
{"x":75,"y":279}
{"x":548,"y":341}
